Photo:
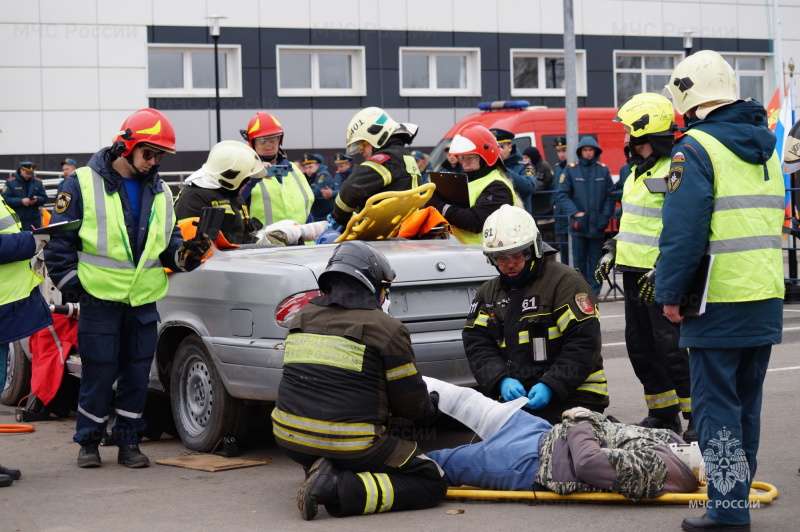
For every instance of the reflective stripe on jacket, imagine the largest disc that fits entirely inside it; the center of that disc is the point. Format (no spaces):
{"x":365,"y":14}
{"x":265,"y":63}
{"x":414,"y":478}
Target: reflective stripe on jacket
{"x":272,"y":201}
{"x":107,"y":268}
{"x":475,"y":189}
{"x":17,"y":279}
{"x":640,"y":225}
{"x":746,"y":225}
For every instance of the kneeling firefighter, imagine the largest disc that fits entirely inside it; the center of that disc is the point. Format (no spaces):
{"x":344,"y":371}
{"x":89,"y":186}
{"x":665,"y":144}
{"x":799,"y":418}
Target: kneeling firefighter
{"x":534,"y":330}
{"x":348,"y":366}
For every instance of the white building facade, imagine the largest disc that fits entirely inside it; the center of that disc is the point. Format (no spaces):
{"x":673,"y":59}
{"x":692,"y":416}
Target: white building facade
{"x":72,"y":70}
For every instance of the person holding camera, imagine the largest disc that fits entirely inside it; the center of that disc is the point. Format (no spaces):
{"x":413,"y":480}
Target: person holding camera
{"x":284,"y":193}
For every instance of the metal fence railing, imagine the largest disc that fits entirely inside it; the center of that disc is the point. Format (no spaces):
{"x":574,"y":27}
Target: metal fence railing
{"x":52,"y":179}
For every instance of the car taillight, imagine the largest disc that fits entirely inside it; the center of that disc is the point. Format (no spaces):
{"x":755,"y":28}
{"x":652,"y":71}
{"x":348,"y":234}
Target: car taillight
{"x":289,"y":306}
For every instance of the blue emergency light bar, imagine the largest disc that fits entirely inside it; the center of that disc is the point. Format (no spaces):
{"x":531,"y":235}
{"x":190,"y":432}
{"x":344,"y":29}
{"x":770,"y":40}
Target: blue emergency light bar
{"x":504,"y":105}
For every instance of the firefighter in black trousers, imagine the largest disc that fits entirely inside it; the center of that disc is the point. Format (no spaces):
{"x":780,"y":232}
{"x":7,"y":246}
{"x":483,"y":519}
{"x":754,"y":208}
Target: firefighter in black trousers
{"x":347,"y":367}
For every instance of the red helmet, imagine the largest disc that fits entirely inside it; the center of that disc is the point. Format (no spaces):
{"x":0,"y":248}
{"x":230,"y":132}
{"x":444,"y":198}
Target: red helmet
{"x":147,"y":126}
{"x":475,"y":138}
{"x":262,"y":124}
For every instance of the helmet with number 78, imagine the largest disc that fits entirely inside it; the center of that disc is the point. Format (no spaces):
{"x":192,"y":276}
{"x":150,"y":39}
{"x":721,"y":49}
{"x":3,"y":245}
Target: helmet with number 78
{"x":510,"y":229}
{"x":476,"y":138}
{"x":146,"y":126}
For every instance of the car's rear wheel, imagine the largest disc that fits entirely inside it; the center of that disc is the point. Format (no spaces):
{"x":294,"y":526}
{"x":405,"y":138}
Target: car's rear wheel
{"x":204,"y":412}
{"x":18,"y":376}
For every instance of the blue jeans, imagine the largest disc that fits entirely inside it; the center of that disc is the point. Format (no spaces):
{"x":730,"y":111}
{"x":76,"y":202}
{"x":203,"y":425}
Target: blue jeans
{"x":586,"y":253}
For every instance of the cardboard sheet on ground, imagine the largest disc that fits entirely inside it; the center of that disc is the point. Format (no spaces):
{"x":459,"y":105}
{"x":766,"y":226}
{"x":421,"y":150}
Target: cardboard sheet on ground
{"x":760,"y":491}
{"x":210,"y":462}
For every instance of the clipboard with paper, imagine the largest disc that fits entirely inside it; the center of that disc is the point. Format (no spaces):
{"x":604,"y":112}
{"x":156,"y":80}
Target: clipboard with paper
{"x":452,"y":188}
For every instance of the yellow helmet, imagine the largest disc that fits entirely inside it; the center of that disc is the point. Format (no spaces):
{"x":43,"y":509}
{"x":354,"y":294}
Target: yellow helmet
{"x":703,"y":77}
{"x":646,"y":114}
{"x":510,"y":229}
{"x":372,"y":125}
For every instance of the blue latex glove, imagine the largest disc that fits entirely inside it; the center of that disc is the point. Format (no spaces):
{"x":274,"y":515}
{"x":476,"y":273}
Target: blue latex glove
{"x":539,"y":396}
{"x":511,"y":389}
{"x":333,"y":224}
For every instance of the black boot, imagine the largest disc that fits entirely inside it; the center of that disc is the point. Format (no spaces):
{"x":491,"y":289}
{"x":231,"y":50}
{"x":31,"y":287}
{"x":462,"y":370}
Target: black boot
{"x":699,"y":524}
{"x":319,"y":488}
{"x":672,"y":423}
{"x":89,"y":456}
{"x":13,"y":473}
{"x":5,"y":480}
{"x":690,"y":435}
{"x":131,"y":456}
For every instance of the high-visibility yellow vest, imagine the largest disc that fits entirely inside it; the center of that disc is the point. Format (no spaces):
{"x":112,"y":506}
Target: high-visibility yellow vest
{"x":106,"y":267}
{"x":475,"y":189}
{"x":640,"y":225}
{"x":410,"y":166}
{"x":17,"y":279}
{"x":746,"y":221}
{"x":271,"y":201}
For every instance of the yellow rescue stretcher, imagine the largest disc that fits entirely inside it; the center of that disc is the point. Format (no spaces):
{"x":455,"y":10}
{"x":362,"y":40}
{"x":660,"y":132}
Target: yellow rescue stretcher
{"x":760,"y":492}
{"x":383,"y":213}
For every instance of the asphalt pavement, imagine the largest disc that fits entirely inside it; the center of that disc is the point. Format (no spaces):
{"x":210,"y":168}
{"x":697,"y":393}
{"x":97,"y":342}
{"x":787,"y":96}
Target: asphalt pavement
{"x":55,"y":495}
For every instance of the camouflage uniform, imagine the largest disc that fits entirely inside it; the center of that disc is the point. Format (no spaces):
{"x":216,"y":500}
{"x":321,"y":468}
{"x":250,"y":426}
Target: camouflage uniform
{"x":639,"y":456}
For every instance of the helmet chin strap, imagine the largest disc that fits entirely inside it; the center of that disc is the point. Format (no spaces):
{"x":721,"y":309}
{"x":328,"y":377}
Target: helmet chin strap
{"x":136,"y":172}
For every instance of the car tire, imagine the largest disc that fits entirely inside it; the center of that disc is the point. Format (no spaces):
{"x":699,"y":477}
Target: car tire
{"x":203,"y":410}
{"x":18,"y":379}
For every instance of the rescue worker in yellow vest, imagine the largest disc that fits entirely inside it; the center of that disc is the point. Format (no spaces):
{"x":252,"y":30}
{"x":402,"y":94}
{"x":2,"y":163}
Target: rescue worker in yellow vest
{"x":651,"y":339}
{"x":388,"y":164}
{"x":348,"y":366}
{"x":534,"y":330}
{"x":229,"y":167}
{"x":489,"y":187}
{"x":113,"y":265}
{"x":23,"y":310}
{"x":725,"y":199}
{"x":284,"y":193}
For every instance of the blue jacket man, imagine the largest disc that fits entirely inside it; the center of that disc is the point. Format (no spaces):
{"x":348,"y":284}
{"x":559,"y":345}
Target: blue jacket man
{"x":344,"y":167}
{"x":25,"y":193}
{"x":23,"y":310}
{"x":110,"y":266}
{"x":585,"y":193}
{"x":725,"y":198}
{"x":561,"y":226}
{"x":321,"y":183}
{"x":521,"y":173}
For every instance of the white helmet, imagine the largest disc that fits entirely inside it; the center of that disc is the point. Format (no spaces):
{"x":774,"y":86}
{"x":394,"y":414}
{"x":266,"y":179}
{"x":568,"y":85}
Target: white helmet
{"x":510,"y":229}
{"x":701,"y":78}
{"x":230,"y":163}
{"x":372,"y":125}
{"x":791,"y":150}
{"x":690,"y":454}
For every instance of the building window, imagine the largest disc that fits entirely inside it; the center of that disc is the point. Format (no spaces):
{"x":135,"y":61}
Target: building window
{"x":440,"y":71}
{"x":751,"y":75}
{"x":321,"y":71}
{"x":541,"y":72}
{"x":188,"y":71}
{"x":637,"y":72}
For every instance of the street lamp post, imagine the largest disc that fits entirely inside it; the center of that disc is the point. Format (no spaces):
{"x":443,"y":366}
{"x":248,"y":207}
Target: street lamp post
{"x":687,"y":42}
{"x":214,"y":28}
